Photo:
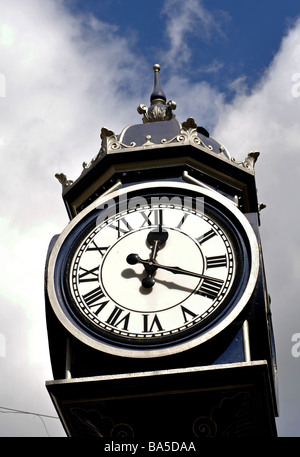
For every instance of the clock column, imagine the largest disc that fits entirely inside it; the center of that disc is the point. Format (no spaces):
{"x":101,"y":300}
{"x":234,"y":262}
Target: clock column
{"x":155,"y":290}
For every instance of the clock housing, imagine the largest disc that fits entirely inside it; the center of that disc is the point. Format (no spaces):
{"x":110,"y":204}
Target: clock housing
{"x":99,"y":297}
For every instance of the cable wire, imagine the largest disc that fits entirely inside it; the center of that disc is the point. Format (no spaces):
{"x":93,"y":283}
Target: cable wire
{"x":28,"y":412}
{"x":19,"y":411}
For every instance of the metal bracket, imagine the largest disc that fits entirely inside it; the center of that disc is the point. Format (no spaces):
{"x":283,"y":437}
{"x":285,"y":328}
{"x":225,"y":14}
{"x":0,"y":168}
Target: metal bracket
{"x":115,"y":186}
{"x":190,"y":179}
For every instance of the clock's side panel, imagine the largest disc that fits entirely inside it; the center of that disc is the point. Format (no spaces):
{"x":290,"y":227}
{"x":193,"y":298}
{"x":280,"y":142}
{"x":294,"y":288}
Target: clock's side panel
{"x":57,"y":335}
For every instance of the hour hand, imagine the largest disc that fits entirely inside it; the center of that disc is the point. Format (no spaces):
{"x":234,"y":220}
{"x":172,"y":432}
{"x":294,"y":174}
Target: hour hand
{"x":159,"y":236}
{"x":156,"y":239}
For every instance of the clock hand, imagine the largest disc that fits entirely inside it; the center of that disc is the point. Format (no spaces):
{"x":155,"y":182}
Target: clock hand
{"x":133,"y":259}
{"x":156,"y":239}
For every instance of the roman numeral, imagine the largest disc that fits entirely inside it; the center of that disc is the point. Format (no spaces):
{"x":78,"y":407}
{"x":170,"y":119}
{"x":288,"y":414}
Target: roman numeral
{"x":94,"y":295}
{"x":115,"y":315}
{"x":101,"y":250}
{"x":186,"y":312}
{"x":209,"y":288}
{"x":122,"y":226}
{"x":206,"y":236}
{"x":94,"y":298}
{"x":216,"y":261}
{"x":182,"y":220}
{"x":155,"y":322}
{"x":88,"y":275}
{"x":158,"y":217}
{"x":147,"y":218}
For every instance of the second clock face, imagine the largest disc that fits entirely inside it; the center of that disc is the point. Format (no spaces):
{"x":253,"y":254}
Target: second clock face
{"x":153,"y":273}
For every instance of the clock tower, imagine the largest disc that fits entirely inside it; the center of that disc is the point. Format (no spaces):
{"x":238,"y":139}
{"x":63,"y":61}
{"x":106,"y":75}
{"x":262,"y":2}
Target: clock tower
{"x":156,"y":293}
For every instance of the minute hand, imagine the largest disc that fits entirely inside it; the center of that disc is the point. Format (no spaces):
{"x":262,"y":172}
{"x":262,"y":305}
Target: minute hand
{"x":177,"y":270}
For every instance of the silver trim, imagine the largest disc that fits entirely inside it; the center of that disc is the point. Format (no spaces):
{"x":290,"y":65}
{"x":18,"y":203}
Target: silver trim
{"x":171,"y":371}
{"x":68,"y":374}
{"x":114,"y":187}
{"x":246,"y":341}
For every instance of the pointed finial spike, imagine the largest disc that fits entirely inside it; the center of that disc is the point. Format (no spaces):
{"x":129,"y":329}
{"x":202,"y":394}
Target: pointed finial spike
{"x":158,"y":95}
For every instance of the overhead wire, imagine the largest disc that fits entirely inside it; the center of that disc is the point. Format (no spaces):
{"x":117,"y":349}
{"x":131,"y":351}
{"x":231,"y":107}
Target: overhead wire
{"x":19,"y":411}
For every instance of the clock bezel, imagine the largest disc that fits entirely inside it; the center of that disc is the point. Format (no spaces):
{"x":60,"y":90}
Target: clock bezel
{"x":65,"y":243}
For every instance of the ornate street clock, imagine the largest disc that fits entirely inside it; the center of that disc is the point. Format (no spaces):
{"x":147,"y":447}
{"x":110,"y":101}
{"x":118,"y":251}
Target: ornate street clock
{"x":167,"y":273}
{"x":159,"y":276}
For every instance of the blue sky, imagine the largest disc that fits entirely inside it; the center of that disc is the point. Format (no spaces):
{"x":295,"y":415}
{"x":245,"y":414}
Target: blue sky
{"x":69,"y":68}
{"x":237,"y":38}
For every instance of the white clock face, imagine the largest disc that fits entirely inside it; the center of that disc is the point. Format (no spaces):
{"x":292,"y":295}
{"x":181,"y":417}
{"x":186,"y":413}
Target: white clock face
{"x":156,"y":277}
{"x":152,"y":272}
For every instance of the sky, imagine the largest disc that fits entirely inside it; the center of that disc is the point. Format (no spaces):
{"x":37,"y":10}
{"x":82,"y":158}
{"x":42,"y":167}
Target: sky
{"x":69,"y":68}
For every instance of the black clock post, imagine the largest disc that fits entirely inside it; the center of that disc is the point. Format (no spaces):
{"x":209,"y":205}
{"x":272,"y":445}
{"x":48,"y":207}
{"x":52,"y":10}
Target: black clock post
{"x":158,"y":314}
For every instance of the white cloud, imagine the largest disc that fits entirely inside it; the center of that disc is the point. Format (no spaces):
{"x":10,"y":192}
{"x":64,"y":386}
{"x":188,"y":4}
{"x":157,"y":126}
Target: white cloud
{"x":189,"y":18}
{"x":198,"y":100}
{"x":60,"y":72}
{"x":271,"y":111}
{"x":268,"y":120}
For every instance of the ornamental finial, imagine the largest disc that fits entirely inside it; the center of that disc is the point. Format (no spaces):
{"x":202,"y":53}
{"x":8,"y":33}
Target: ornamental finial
{"x":159,"y":110}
